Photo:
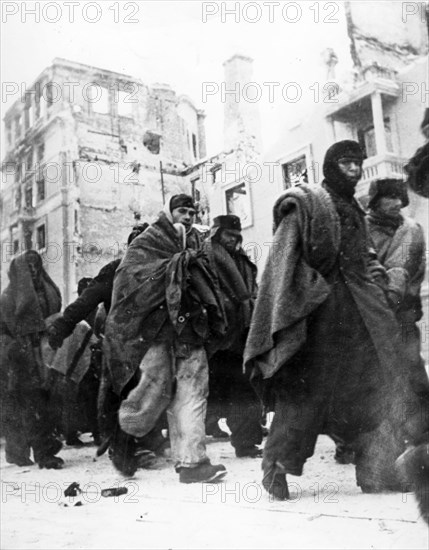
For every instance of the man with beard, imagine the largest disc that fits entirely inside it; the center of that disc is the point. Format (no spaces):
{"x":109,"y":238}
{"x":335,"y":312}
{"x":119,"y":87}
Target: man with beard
{"x":324,"y":346}
{"x":231,"y":394}
{"x":165,"y":306}
{"x":27,"y":302}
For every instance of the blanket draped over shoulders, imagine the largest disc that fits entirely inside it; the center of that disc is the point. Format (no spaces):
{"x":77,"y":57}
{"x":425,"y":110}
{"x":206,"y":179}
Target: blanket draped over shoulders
{"x":292,"y":284}
{"x":154,"y":278}
{"x":306,"y":248}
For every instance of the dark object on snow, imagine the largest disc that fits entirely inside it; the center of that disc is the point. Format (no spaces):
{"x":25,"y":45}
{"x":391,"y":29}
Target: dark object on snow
{"x":72,"y":490}
{"x":114,"y":492}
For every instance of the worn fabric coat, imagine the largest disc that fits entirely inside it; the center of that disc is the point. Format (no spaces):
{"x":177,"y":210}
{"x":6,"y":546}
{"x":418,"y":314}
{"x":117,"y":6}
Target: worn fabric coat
{"x":162,"y":292}
{"x":295,"y":284}
{"x":236,"y":276}
{"x":401,"y":249}
{"x":24,"y":308}
{"x":23,"y":311}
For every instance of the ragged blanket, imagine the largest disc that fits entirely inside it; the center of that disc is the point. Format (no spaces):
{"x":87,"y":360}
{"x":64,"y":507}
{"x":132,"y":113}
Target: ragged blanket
{"x":154,"y":281}
{"x":292,"y":284}
{"x":305,"y":248}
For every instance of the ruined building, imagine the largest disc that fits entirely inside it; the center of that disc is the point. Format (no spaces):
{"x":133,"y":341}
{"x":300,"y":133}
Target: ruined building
{"x":89,"y":153}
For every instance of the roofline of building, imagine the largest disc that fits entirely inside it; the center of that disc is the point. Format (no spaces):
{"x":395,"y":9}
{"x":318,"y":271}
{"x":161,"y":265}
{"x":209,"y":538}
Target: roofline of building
{"x":62,"y":62}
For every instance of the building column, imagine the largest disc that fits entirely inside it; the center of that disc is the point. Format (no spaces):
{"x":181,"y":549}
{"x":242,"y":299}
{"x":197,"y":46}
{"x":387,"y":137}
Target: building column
{"x":378,"y":119}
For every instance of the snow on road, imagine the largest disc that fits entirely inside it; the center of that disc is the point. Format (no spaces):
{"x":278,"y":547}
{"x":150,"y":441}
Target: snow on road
{"x":327,"y":509}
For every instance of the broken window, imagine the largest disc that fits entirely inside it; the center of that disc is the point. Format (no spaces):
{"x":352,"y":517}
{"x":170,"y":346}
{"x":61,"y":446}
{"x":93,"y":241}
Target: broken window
{"x":50,"y":94}
{"x":29,"y":161}
{"x":388,"y":134}
{"x":41,"y":190}
{"x":76,"y":221}
{"x":366,"y":138}
{"x":194,"y":190}
{"x":194,"y":145}
{"x":29,"y":197}
{"x":17,"y":198}
{"x":237,"y":201}
{"x":40,"y":153}
{"x":295,"y":171}
{"x":98,"y":98}
{"x":18,"y":172}
{"x":9,"y":133}
{"x":125,"y":104}
{"x":361,"y":141}
{"x":29,"y":116}
{"x":41,"y":237}
{"x":37,"y":102}
{"x":18,"y":127}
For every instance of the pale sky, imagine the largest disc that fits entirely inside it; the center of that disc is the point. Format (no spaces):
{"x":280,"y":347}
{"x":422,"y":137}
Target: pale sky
{"x":168,"y":41}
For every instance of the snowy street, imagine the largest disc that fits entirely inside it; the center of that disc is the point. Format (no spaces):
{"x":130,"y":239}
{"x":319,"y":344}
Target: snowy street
{"x":327,"y":509}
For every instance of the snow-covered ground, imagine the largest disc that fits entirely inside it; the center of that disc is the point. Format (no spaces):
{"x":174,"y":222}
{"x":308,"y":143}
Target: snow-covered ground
{"x":327,"y":511}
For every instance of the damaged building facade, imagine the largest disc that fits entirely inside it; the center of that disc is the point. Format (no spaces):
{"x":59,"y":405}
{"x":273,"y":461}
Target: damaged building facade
{"x":89,"y":153}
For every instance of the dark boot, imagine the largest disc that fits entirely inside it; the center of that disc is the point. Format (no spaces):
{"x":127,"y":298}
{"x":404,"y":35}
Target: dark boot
{"x":123,"y":453}
{"x":74,"y":441}
{"x":19,"y":460}
{"x":51,"y":463}
{"x":274,"y":482}
{"x":248,"y":452}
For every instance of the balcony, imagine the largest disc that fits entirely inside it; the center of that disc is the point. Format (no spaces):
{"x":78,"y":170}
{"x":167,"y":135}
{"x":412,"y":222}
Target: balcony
{"x":27,"y":214}
{"x":388,"y":165}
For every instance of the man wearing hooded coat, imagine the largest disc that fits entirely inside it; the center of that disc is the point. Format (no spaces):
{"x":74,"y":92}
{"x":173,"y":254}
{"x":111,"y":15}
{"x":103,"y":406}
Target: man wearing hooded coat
{"x":324,"y":346}
{"x":30,"y":298}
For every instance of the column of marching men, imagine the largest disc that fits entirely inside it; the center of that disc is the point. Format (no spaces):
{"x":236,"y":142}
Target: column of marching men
{"x":177,"y":335}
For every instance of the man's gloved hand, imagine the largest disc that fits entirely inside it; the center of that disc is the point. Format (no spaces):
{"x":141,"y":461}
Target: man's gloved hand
{"x":57,"y":331}
{"x":55,"y":338}
{"x":394,"y":299}
{"x":376,"y":271}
